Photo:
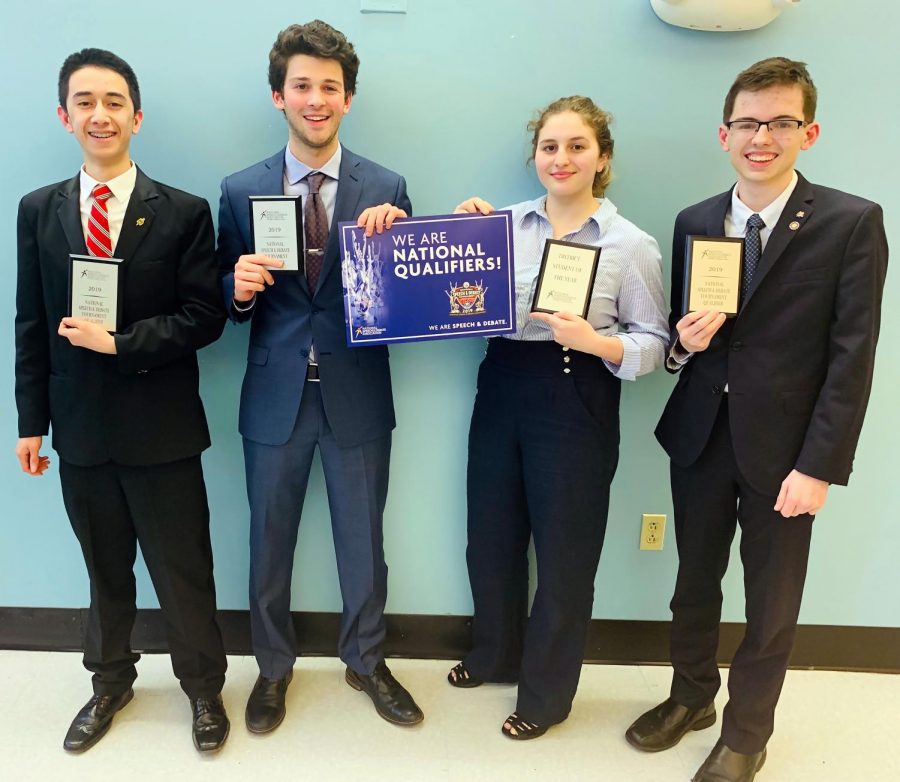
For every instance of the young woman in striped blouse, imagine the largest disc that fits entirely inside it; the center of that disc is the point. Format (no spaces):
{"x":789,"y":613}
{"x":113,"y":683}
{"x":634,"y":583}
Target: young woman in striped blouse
{"x":544,"y":437}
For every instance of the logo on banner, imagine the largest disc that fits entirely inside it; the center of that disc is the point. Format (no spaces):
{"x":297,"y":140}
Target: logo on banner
{"x":467,"y":299}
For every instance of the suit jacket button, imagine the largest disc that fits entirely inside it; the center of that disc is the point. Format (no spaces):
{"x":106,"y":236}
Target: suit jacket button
{"x":717,"y":390}
{"x":737,"y":346}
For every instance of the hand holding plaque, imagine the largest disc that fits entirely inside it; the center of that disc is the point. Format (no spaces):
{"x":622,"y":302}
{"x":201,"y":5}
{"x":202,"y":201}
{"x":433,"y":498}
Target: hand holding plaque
{"x":94,"y":290}
{"x":566,"y":278}
{"x":712,"y":274}
{"x":275,"y":229}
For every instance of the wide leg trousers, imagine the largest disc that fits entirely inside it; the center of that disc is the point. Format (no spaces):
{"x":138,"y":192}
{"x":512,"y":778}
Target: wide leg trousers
{"x":543,"y":449}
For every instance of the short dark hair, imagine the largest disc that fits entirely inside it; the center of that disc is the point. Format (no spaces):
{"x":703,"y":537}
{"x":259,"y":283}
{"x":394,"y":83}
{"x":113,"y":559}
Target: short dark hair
{"x":774,"y":72}
{"x":99,"y":58}
{"x":316,"y":39}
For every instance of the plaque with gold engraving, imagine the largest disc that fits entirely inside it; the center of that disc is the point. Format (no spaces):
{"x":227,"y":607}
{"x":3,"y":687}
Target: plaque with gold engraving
{"x":713,"y":266}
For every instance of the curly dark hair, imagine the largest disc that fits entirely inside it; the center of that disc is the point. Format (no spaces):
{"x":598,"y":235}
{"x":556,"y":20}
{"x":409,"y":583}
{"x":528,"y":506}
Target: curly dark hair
{"x":317,"y":39}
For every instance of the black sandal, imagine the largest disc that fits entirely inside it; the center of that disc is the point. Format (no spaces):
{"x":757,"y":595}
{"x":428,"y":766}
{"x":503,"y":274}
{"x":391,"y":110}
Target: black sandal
{"x":459,"y":676}
{"x":523,"y":730}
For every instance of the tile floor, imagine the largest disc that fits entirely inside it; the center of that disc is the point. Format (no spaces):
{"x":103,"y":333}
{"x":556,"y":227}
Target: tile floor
{"x":831,"y":727}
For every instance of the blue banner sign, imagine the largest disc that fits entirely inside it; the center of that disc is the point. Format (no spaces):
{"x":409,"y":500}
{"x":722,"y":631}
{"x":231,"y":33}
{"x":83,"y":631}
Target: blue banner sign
{"x":429,"y":278}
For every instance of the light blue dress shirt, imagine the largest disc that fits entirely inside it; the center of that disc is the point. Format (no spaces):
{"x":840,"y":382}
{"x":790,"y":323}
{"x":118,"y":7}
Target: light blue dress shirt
{"x":627,"y":301}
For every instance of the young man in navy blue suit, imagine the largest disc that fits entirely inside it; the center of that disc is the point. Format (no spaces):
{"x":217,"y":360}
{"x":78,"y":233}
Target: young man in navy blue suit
{"x":125,"y":409}
{"x":304,"y":388}
{"x":767,"y":410}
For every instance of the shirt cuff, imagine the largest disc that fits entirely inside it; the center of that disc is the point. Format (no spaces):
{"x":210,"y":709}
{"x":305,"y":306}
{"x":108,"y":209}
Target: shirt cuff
{"x":247,"y":305}
{"x":678,"y":356}
{"x":631,"y":360}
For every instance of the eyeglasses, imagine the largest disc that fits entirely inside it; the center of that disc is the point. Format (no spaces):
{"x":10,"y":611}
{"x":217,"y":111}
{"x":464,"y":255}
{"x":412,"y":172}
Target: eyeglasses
{"x":774,"y":126}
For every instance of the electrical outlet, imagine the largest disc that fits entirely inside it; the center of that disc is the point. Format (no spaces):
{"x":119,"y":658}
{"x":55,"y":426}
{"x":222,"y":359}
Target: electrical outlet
{"x":653,"y":531}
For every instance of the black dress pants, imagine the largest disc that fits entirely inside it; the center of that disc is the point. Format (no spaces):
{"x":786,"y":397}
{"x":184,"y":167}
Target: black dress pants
{"x":543,"y":449}
{"x":710,"y":498}
{"x":163,"y":507}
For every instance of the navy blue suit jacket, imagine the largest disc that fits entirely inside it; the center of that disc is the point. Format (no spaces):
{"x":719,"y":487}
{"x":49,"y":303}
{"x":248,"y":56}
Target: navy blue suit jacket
{"x":799,"y":356}
{"x":287,"y":317}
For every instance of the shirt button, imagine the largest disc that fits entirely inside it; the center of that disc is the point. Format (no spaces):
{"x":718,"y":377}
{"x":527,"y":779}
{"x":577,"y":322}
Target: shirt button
{"x":565,"y":349}
{"x":567,"y":359}
{"x":567,"y":370}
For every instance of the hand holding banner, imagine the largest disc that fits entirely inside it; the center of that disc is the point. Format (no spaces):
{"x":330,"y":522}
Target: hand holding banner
{"x":429,"y":278}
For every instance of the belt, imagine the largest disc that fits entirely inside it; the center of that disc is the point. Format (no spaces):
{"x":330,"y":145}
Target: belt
{"x":312,"y":373}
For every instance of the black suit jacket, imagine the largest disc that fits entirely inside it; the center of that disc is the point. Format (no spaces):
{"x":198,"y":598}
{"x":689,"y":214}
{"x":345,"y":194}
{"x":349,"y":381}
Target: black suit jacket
{"x":141,"y":406}
{"x":799,"y":356}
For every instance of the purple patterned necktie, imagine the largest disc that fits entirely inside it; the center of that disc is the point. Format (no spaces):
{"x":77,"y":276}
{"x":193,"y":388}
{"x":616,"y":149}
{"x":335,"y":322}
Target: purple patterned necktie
{"x":315,"y":229}
{"x":752,"y":251}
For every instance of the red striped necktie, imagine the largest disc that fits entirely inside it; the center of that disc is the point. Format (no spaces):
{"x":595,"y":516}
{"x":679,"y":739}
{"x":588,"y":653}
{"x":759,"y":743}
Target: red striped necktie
{"x":98,"y":239}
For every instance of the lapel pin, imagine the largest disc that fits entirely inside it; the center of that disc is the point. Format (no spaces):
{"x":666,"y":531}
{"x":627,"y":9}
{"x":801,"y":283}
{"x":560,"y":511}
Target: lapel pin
{"x":801,"y":213}
{"x":794,"y":225}
{"x":140,"y":221}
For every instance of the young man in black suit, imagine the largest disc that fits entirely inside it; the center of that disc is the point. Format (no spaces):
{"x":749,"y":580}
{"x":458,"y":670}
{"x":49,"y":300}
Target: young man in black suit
{"x":767,"y":410}
{"x":125,"y":409}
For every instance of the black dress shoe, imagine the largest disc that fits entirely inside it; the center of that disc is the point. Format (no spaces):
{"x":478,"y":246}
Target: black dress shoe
{"x":265,"y":706}
{"x":391,"y":700}
{"x":92,"y":722}
{"x":211,"y":724}
{"x":725,"y":765}
{"x":665,"y":725}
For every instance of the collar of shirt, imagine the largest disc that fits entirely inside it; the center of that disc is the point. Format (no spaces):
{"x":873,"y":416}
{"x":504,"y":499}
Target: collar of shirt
{"x":122,"y":187}
{"x":294,"y":170}
{"x":590,"y":231}
{"x":739,"y":213}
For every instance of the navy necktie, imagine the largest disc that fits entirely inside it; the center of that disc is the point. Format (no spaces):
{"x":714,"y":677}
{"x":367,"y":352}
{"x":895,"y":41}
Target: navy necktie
{"x":315,"y":223}
{"x":752,"y":251}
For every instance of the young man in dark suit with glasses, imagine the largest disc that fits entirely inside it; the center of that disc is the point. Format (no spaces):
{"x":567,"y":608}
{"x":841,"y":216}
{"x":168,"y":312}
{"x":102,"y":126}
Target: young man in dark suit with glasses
{"x":767,"y":410}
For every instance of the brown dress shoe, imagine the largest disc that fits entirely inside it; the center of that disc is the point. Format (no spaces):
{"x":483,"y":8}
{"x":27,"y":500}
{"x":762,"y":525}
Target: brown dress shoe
{"x":392,"y":701}
{"x":726,"y":765}
{"x":265,"y":706}
{"x":92,"y":722}
{"x":665,"y":725}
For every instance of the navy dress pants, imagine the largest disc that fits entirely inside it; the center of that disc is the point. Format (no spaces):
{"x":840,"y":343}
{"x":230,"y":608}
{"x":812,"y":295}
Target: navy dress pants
{"x":356,"y":480}
{"x":710,"y":498}
{"x":543,"y":449}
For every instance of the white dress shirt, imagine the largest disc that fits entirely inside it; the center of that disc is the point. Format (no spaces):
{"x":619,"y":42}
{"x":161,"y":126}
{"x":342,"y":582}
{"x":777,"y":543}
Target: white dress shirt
{"x":122,"y":187}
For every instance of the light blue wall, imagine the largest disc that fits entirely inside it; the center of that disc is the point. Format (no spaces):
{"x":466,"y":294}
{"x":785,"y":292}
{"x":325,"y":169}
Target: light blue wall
{"x":444,"y":94}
